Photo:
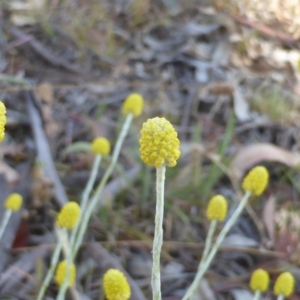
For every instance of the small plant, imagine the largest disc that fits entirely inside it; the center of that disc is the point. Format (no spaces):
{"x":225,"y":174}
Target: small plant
{"x":12,"y":204}
{"x":284,"y":285}
{"x":253,"y":184}
{"x":61,"y":274}
{"x":159,"y":147}
{"x":66,"y":220}
{"x":132,"y":107}
{"x":259,"y":283}
{"x":115,"y":285}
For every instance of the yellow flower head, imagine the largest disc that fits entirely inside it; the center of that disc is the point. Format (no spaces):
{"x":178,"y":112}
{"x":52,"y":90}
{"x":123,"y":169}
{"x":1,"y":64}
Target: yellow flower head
{"x":133,"y":104}
{"x":101,"y":146}
{"x":13,"y":202}
{"x":259,"y":281}
{"x":159,"y":144}
{"x":284,"y":284}
{"x":217,"y":208}
{"x":116,"y":286}
{"x":68,"y":215}
{"x":61,"y":273}
{"x":256,"y":180}
{"x":2,"y":120}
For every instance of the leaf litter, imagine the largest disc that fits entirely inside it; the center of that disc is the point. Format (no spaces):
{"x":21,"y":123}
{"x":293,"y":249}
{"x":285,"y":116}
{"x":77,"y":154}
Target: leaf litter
{"x":197,"y":64}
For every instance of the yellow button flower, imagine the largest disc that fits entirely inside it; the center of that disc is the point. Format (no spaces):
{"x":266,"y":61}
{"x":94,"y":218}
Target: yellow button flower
{"x":284,"y":284}
{"x":13,"y":202}
{"x":259,"y":281}
{"x":116,"y":286}
{"x":159,"y":144}
{"x":256,"y":180}
{"x":68,"y":215}
{"x":2,"y":120}
{"x":217,"y":208}
{"x":133,"y":104}
{"x":61,"y":273}
{"x":101,"y":146}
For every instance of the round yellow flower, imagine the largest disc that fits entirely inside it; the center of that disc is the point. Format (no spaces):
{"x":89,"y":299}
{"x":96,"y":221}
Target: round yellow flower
{"x":259,"y":281}
{"x":159,"y":144}
{"x":2,"y":120}
{"x":68,"y":215}
{"x":284,"y":284}
{"x":256,"y":180}
{"x":133,"y":104}
{"x":217,"y":208}
{"x":61,"y":273}
{"x":13,"y":202}
{"x":116,"y":286}
{"x":101,"y":146}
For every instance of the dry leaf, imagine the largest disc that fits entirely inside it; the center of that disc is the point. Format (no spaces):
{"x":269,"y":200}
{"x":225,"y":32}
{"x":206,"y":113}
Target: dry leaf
{"x":25,"y":12}
{"x":239,"y":294}
{"x":238,"y":240}
{"x":45,"y":93}
{"x":268,"y":217}
{"x":241,"y":106}
{"x":42,"y":187}
{"x":251,"y":155}
{"x":221,"y":88}
{"x":10,"y":174}
{"x":286,"y":241}
{"x":52,"y":127}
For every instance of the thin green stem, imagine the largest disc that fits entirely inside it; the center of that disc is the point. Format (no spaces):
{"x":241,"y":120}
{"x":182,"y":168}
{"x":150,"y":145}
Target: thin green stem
{"x":91,"y":206}
{"x":54,"y":260}
{"x":4,"y":222}
{"x":280,"y":297}
{"x":210,"y":234}
{"x":257,"y":295}
{"x":85,"y":197}
{"x":158,"y":233}
{"x":216,"y":246}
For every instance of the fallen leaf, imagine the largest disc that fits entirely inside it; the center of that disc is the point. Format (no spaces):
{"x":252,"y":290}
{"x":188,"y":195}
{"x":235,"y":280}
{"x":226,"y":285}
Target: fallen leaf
{"x":240,"y":105}
{"x":221,"y":88}
{"x":11,"y":176}
{"x":42,"y":187}
{"x":254,"y":154}
{"x":24,"y":12}
{"x":238,"y":240}
{"x":286,"y":241}
{"x":239,"y":294}
{"x":268,"y":217}
{"x":45,"y":93}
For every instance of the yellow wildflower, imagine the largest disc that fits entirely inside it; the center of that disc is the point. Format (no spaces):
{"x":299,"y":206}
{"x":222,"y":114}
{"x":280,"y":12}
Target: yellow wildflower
{"x":256,"y":180}
{"x":13,"y":202}
{"x":61,"y":273}
{"x":217,"y":208}
{"x":259,"y":281}
{"x":284,"y":284}
{"x":159,"y":144}
{"x":2,"y":120}
{"x":133,"y":104}
{"x":68,"y":215}
{"x":116,"y":286}
{"x":101,"y":146}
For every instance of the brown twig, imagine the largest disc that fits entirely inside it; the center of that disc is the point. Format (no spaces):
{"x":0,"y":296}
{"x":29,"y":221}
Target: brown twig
{"x":43,"y":52}
{"x":267,"y":31}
